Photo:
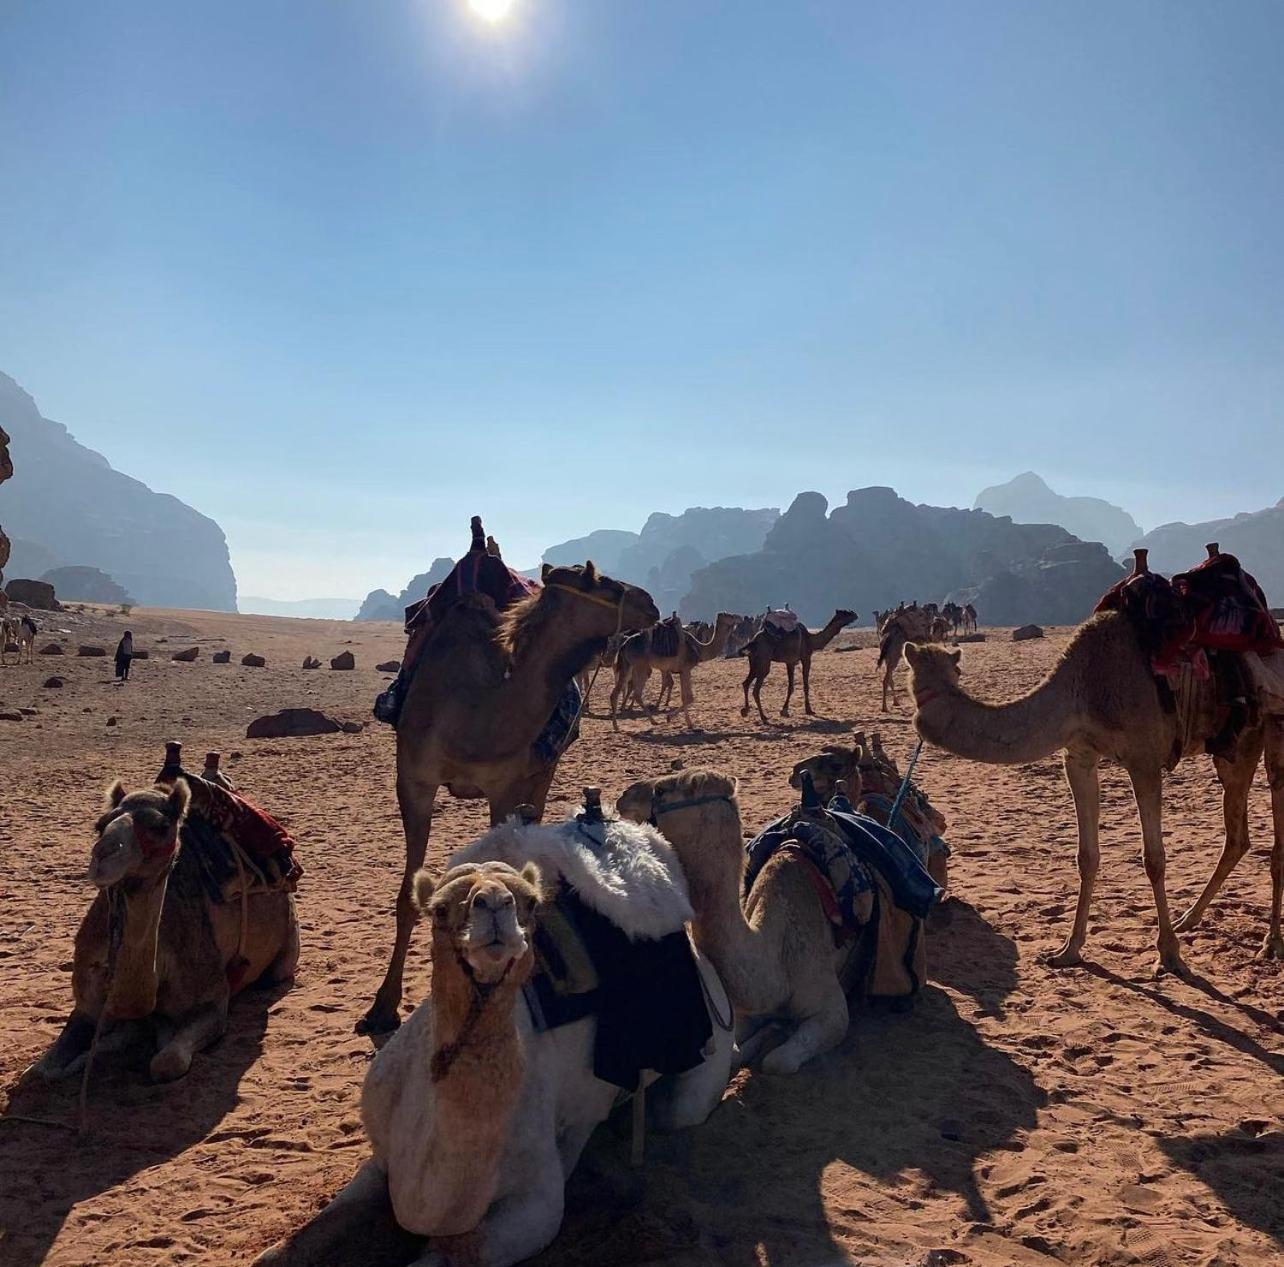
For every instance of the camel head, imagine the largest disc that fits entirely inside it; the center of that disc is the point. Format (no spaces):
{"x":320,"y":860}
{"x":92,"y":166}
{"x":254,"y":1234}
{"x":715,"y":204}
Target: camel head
{"x":632,"y":603}
{"x":652,"y":800}
{"x":483,"y":914}
{"x":833,"y":762}
{"x":137,"y":834}
{"x":933,"y":670}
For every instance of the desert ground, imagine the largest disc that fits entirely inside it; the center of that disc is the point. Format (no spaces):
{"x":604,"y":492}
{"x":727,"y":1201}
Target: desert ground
{"x":1017,"y":1115}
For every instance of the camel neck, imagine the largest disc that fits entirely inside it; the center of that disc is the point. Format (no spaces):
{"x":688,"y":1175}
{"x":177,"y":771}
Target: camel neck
{"x":133,"y":988}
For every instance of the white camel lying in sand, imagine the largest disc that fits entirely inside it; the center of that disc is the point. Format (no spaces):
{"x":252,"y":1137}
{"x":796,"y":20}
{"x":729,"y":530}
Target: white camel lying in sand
{"x":475,"y":1119}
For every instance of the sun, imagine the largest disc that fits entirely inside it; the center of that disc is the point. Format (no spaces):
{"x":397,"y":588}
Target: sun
{"x":492,"y":11}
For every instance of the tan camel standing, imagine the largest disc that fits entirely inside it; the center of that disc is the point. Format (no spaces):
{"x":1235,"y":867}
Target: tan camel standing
{"x":1101,"y":701}
{"x":637,"y":659}
{"x":483,"y":693}
{"x":8,"y":635}
{"x":476,"y":1119}
{"x":969,"y":619}
{"x":776,"y":956}
{"x":790,"y":649}
{"x":176,"y":947}
{"x":909,"y":625}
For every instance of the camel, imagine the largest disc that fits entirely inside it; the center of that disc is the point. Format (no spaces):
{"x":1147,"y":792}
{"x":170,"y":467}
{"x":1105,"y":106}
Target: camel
{"x":9,"y":636}
{"x":179,"y":952}
{"x":1101,"y":701}
{"x":776,"y":954}
{"x":796,"y":647}
{"x":940,"y":628}
{"x":954,"y":614}
{"x":637,"y":659}
{"x":475,"y":1119}
{"x":484,"y":692}
{"x":907,"y":624}
{"x":605,"y":659}
{"x":969,"y":619}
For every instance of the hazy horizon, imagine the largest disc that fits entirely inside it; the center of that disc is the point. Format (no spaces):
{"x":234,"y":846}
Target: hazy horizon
{"x":341,"y":276}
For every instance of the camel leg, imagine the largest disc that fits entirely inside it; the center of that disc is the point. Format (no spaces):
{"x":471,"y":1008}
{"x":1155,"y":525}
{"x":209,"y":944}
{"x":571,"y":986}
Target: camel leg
{"x":820,"y":1031}
{"x":1148,"y":788}
{"x":688,"y":698}
{"x":343,"y":1231}
{"x":1081,"y":774}
{"x":789,"y":689}
{"x":744,"y":712}
{"x":282,"y":969}
{"x":757,"y":695}
{"x":1273,"y":944}
{"x":806,"y":677}
{"x":621,"y":677}
{"x":69,"y":1048}
{"x":532,"y":791}
{"x":1236,"y":779}
{"x":415,"y":799}
{"x":199,"y":1029}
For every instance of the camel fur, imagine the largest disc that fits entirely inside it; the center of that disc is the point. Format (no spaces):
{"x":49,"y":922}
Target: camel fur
{"x":484,"y":690}
{"x":177,"y":945}
{"x":796,"y":647}
{"x":1101,"y":701}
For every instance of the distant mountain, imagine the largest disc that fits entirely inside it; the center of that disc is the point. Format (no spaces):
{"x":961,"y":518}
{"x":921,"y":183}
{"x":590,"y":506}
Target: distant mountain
{"x":78,"y":511}
{"x":878,"y":549}
{"x":662,"y":557}
{"x":380,"y":605}
{"x":1256,"y":539}
{"x":300,"y":608}
{"x":85,"y":585}
{"x":1028,"y":500}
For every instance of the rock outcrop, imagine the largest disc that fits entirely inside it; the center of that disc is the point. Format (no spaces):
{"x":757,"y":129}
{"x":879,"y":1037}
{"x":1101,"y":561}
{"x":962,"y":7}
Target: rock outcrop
{"x":86,"y":585}
{"x":187,"y":656}
{"x":71,"y":502}
{"x":380,"y":605}
{"x":38,"y":594}
{"x":291,"y":723}
{"x":252,"y":661}
{"x":344,"y":660}
{"x":1255,"y":538}
{"x":872,"y":552}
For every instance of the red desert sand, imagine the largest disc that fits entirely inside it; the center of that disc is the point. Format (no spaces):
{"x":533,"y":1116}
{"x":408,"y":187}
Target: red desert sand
{"x":1017,"y":1115}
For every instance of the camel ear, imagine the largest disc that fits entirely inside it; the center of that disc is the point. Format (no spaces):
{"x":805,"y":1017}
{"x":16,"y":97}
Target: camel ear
{"x":533,"y":876}
{"x":115,"y":794}
{"x":179,"y":799}
{"x":956,"y":656}
{"x":545,"y":569}
{"x":911,"y":653}
{"x":422,"y":891}
{"x":590,"y":572}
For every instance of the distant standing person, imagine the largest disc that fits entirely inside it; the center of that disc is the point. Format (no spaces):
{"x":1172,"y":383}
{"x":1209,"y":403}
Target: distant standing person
{"x":124,"y":654}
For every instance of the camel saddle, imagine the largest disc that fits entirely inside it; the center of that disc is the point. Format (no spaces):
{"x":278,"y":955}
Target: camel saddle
{"x":665,"y":636}
{"x":779,"y":623}
{"x":646,"y":993}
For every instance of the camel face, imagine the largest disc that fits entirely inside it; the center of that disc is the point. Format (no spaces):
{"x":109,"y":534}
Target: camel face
{"x":637,"y":611}
{"x":933,"y":664}
{"x":488,"y":912}
{"x":832,"y":764}
{"x":635,"y":801}
{"x":137,"y":833}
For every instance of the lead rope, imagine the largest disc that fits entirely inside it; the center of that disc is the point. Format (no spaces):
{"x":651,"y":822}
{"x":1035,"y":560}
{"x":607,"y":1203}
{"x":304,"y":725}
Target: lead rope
{"x":904,"y":787}
{"x":584,"y":695}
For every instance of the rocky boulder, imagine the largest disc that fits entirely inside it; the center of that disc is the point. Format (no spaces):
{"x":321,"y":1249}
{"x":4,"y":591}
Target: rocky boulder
{"x":187,"y":656}
{"x":344,"y":660}
{"x":311,"y":662}
{"x":252,"y":661}
{"x":52,"y":648}
{"x":389,"y":666}
{"x":291,"y":723}
{"x":37,"y":594}
{"x":221,"y":657}
{"x":53,"y":683}
{"x":88,"y":652}
{"x":1026,"y":633}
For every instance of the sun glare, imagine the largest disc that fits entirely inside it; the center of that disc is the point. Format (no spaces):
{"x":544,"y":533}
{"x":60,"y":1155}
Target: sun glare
{"x":492,"y":11}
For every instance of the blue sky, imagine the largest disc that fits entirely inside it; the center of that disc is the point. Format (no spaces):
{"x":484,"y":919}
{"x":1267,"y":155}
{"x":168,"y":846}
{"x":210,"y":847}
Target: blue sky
{"x":342,"y":274}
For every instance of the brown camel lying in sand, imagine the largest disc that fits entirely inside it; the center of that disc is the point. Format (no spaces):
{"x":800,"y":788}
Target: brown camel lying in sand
{"x":1101,"y":701}
{"x":776,"y":956}
{"x":176,"y":946}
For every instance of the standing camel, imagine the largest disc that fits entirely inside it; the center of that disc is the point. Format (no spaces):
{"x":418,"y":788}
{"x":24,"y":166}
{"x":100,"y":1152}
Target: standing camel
{"x":637,"y":658}
{"x":795,"y":647}
{"x":908,"y":625}
{"x":484,"y":691}
{"x":1101,"y":701}
{"x":8,"y":635}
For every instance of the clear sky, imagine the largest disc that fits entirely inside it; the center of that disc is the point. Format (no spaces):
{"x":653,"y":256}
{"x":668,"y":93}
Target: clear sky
{"x":343,"y":273}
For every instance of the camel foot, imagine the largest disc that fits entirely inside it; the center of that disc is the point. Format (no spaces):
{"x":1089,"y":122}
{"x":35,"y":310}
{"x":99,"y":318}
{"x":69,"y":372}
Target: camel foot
{"x":782,"y":1060}
{"x":1066,"y":957}
{"x":1170,"y":964}
{"x":744,"y":712}
{"x":1272,"y":947}
{"x":378,"y":1021}
{"x":170,"y":1064}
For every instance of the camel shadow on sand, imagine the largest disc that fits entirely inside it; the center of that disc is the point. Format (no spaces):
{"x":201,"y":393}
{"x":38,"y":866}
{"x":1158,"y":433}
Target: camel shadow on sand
{"x":1246,"y":1173}
{"x":134,"y":1124}
{"x":906,"y":1092}
{"x":968,"y":954}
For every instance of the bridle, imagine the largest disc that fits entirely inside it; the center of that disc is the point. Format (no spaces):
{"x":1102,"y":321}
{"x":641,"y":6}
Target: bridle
{"x":617,"y":605}
{"x":659,"y":807}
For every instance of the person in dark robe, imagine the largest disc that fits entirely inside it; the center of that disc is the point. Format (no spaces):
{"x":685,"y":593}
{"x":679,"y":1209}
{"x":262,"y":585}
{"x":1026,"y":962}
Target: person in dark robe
{"x":124,"y":655}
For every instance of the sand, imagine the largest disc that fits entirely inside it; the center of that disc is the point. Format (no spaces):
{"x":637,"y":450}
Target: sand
{"x":1018,"y":1114}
